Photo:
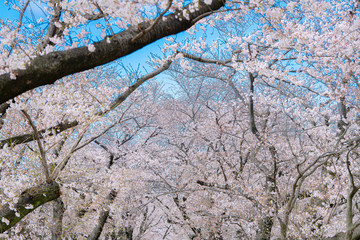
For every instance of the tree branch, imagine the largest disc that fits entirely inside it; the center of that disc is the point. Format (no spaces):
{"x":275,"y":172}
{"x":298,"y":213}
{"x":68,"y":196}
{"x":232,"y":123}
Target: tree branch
{"x":19,"y":25}
{"x":41,"y":149}
{"x":46,"y":69}
{"x":20,"y":139}
{"x":29,"y":200}
{"x":207,"y":60}
{"x":104,"y":214}
{"x":251,"y":108}
{"x":51,"y":31}
{"x":104,"y":15}
{"x":122,"y":97}
{"x":64,"y":126}
{"x":3,"y":108}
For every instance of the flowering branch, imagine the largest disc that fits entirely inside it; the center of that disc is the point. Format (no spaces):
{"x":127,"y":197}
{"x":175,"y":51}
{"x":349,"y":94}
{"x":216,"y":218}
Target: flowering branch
{"x":41,"y":149}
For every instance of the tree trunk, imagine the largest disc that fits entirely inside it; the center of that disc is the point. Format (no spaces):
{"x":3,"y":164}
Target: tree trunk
{"x":58,"y":214}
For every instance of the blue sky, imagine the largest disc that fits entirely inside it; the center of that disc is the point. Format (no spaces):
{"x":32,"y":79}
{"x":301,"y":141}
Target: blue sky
{"x":6,"y":13}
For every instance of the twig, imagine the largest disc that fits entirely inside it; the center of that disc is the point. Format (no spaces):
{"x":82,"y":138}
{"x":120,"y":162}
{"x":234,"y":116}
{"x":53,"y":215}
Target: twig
{"x":19,"y":25}
{"x":206,"y":60}
{"x":103,"y":14}
{"x":65,"y":161}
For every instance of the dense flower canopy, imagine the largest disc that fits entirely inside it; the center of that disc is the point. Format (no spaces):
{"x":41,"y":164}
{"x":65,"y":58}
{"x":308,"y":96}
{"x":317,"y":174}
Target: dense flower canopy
{"x":254,"y":136}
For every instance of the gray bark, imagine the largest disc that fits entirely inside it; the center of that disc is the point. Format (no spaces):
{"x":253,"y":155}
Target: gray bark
{"x":98,"y":228}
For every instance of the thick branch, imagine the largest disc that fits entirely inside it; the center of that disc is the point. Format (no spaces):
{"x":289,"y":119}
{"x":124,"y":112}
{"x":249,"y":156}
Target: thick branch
{"x":48,"y":68}
{"x":58,"y":214}
{"x":31,"y":137}
{"x":29,"y":200}
{"x":104,"y":214}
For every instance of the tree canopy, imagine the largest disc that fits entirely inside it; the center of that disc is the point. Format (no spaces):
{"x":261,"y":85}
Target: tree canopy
{"x":252,"y":132}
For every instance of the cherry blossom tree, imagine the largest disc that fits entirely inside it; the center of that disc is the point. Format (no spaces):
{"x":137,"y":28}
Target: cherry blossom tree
{"x":284,"y":65}
{"x":65,"y":44}
{"x":59,"y":150}
{"x":258,"y":140}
